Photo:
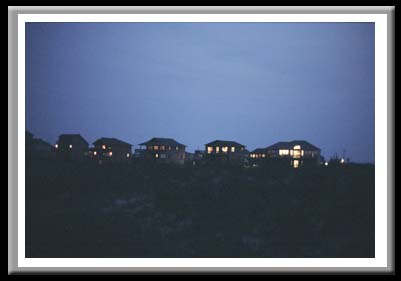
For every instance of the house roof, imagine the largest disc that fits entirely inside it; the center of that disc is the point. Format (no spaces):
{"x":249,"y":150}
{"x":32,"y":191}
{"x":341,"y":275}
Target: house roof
{"x":73,"y":138}
{"x":259,"y":150}
{"x":162,"y":141}
{"x":224,"y":142}
{"x":290,"y":145}
{"x":111,"y":141}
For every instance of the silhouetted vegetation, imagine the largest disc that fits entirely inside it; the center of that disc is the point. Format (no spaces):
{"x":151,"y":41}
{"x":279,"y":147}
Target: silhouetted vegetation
{"x":149,"y":210}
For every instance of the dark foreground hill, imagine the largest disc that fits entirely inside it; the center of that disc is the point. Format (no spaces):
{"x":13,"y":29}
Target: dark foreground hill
{"x":85,"y":210}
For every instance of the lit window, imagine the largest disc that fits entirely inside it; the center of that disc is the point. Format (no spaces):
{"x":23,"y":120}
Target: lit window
{"x":156,"y":147}
{"x":176,"y":148}
{"x":127,"y":155}
{"x":224,"y":149}
{"x":70,"y":145}
{"x":156,"y":155}
{"x":103,"y":146}
{"x":302,"y":153}
{"x":232,"y":149}
{"x":217,"y":149}
{"x":111,"y":153}
{"x":296,"y":163}
{"x":162,"y":147}
{"x":56,"y":145}
{"x":169,"y":148}
{"x":94,"y":152}
{"x":326,"y":163}
{"x":297,"y":147}
{"x":209,"y":149}
{"x":283,"y":152}
{"x":296,"y":154}
{"x":263,"y":155}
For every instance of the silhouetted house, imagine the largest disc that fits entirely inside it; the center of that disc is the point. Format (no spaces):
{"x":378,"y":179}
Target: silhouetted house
{"x":294,"y":153}
{"x":164,"y":150}
{"x":139,"y":153}
{"x":258,"y":153}
{"x":199,"y":155}
{"x":42,"y":149}
{"x":189,"y":157}
{"x":225,"y":150}
{"x":111,"y":150}
{"x":71,"y":147}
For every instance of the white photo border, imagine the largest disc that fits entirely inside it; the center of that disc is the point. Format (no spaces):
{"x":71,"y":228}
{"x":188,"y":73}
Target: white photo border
{"x":381,"y":133}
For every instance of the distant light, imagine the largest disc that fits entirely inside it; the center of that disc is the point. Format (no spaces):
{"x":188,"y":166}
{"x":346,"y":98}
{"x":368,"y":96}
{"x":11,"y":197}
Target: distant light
{"x":70,"y":145}
{"x":56,"y":145}
{"x":157,"y":155}
{"x":127,"y":155}
{"x":342,"y":161}
{"x":111,"y":153}
{"x":94,"y":152}
{"x":326,"y":163}
{"x":103,"y":146}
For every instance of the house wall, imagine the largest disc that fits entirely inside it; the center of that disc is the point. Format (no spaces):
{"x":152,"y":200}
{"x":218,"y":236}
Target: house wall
{"x":309,"y":157}
{"x":119,"y":153}
{"x":76,"y":153}
{"x":166,"y":156}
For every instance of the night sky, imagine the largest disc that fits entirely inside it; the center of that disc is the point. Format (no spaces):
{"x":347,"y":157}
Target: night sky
{"x":254,"y":83}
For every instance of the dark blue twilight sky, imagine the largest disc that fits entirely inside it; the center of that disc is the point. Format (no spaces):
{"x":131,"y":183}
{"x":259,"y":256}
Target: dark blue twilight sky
{"x":255,"y":83}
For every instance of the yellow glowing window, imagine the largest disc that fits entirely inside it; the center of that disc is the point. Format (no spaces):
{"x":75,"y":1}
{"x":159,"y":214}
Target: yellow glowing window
{"x":224,"y":149}
{"x":209,"y":149}
{"x":70,"y":145}
{"x":156,"y":147}
{"x":263,"y":155}
{"x":103,"y":146}
{"x":56,"y":145}
{"x":296,"y":163}
{"x":232,"y":149}
{"x":302,"y":153}
{"x":111,"y":153}
{"x":156,"y":155}
{"x":297,"y":147}
{"x":217,"y":149}
{"x":283,"y":152}
{"x":296,"y":154}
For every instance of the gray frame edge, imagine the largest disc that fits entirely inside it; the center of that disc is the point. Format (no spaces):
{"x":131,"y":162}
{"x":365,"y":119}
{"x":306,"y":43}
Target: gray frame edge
{"x":13,"y":12}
